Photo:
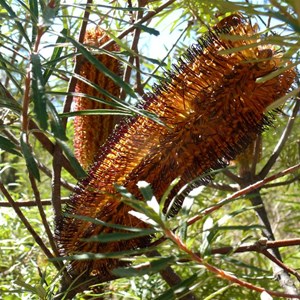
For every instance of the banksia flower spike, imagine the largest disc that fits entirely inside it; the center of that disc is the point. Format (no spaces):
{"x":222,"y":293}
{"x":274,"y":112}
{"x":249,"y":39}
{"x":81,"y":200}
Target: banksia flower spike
{"x":212,"y":107}
{"x":91,"y":131}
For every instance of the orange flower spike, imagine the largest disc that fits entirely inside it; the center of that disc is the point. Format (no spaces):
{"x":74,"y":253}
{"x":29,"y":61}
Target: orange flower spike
{"x":91,"y":131}
{"x":213,"y":108}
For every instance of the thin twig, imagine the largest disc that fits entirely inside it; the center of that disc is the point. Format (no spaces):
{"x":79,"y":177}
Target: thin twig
{"x":232,"y":176}
{"x":281,"y":264}
{"x":287,"y":182}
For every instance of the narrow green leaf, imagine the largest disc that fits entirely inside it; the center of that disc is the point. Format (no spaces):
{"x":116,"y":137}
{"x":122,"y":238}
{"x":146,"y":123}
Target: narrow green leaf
{"x":154,"y":267}
{"x":179,"y":289}
{"x":120,"y":236}
{"x":219,"y":292}
{"x":73,"y":94}
{"x":93,"y":112}
{"x":73,"y":161}
{"x":91,"y":256}
{"x":166,"y":195}
{"x":207,"y":235}
{"x":34,"y":9}
{"x":28,"y":155}
{"x":7,"y":145}
{"x":102,"y":223}
{"x":55,"y":56}
{"x":56,"y":126}
{"x":34,"y":15}
{"x":240,"y":227}
{"x":100,"y":66}
{"x":38,"y":91}
{"x":147,"y":29}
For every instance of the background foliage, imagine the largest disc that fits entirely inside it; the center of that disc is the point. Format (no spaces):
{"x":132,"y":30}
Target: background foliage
{"x":39,"y":43}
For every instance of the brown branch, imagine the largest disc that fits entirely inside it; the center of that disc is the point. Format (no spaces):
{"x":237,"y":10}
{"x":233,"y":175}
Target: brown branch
{"x":48,"y":172}
{"x":257,"y":246}
{"x":56,"y":183}
{"x":219,"y":272}
{"x":232,"y":176}
{"x":281,"y":265}
{"x":287,"y":182}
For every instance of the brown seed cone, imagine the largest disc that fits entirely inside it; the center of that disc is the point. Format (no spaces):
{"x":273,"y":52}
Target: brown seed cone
{"x":212,"y":107}
{"x":90,"y":132}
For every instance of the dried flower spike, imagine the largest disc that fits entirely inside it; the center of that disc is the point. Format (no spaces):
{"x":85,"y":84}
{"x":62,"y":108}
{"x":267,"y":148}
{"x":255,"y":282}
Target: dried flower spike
{"x":91,"y":131}
{"x":213,"y":108}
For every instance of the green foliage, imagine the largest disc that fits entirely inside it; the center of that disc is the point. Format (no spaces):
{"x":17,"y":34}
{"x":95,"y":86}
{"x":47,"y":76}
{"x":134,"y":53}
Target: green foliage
{"x":39,"y":46}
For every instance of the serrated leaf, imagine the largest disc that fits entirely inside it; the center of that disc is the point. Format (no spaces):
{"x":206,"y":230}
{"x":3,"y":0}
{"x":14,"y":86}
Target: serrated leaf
{"x":7,"y":145}
{"x":38,"y":91}
{"x":73,"y":161}
{"x":30,"y":160}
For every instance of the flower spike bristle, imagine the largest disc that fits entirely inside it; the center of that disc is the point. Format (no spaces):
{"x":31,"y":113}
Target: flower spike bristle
{"x":91,"y":131}
{"x":213,"y":108}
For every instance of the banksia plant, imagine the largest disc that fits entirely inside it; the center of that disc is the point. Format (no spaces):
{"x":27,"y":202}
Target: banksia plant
{"x":212,"y":107}
{"x":91,"y":131}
